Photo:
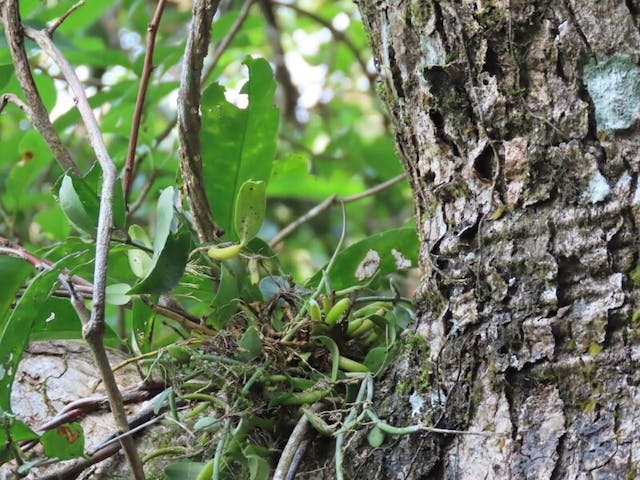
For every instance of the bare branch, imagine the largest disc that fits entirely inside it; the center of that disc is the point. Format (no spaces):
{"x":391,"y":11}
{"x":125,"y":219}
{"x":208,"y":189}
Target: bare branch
{"x":147,"y":68}
{"x":11,"y":98}
{"x":337,"y":34}
{"x":222,"y":45}
{"x":329,"y":202}
{"x":93,"y":332}
{"x":290,"y":94}
{"x":189,"y":117}
{"x":54,"y":26}
{"x":39,"y":115}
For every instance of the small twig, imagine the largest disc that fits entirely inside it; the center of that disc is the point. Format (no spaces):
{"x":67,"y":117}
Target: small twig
{"x":337,"y":34}
{"x":39,"y":115}
{"x":11,"y":98}
{"x":93,"y":331}
{"x":143,"y":194}
{"x":222,"y":45}
{"x":54,"y":26}
{"x":329,"y":202}
{"x":185,"y":319}
{"x":189,"y":118}
{"x":147,"y":68}
{"x":12,"y":249}
{"x":290,"y":93}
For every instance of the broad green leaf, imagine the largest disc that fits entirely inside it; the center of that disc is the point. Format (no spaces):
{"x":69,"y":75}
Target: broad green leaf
{"x":79,"y":201}
{"x":16,"y":329}
{"x":14,"y":273}
{"x":6,"y":71}
{"x":375,"y":359}
{"x":250,"y":209}
{"x":380,"y":254}
{"x":250,"y":345}
{"x":259,"y":468}
{"x":331,"y":345}
{"x":52,"y":223}
{"x":170,"y":251}
{"x":291,"y":178}
{"x":139,"y":260}
{"x":16,"y":431}
{"x":168,"y":265}
{"x":117,"y":294}
{"x":34,"y":156}
{"x":238,"y":144}
{"x":64,"y":442}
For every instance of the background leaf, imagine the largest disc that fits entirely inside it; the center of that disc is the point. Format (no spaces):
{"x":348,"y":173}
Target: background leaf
{"x":380,"y":254}
{"x":16,"y":329}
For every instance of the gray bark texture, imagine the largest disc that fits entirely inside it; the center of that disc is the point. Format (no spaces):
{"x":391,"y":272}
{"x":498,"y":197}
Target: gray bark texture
{"x":517,"y":121}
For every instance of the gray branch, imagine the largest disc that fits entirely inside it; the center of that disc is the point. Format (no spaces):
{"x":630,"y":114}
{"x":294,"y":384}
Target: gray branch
{"x":93,"y":331}
{"x":37,"y":112}
{"x":189,"y":117}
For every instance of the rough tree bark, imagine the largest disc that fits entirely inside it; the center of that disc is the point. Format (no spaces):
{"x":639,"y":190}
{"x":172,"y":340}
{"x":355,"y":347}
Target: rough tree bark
{"x":517,"y":123}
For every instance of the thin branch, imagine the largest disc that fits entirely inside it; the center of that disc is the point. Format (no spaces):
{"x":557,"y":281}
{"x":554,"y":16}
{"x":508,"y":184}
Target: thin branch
{"x":290,"y":93}
{"x":54,"y":26}
{"x":143,"y":194}
{"x":337,"y":34}
{"x":147,"y":68}
{"x":184,"y":318}
{"x":39,"y":115}
{"x":329,"y":202}
{"x":222,"y":45}
{"x":189,"y":118}
{"x":11,"y":98}
{"x":93,"y":332}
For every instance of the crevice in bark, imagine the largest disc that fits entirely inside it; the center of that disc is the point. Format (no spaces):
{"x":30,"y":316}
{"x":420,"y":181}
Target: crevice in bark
{"x":484,"y":164}
{"x":574,"y":21}
{"x":396,"y":75}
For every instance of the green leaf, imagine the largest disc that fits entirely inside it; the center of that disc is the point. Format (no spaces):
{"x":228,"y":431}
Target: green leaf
{"x":117,"y":294}
{"x":6,"y":71}
{"x":14,"y":273}
{"x":142,"y":325}
{"x":380,"y":254}
{"x":375,"y":359}
{"x":331,"y":345}
{"x":259,"y":468}
{"x":250,"y":209}
{"x":64,"y":442}
{"x":139,"y":260}
{"x":291,"y":178}
{"x":168,"y":265}
{"x":170,"y":251}
{"x":79,"y":203}
{"x":34,"y":156}
{"x":238,"y":144}
{"x":208,"y":424}
{"x":16,"y":431}
{"x":250,"y":345}
{"x":16,"y":329}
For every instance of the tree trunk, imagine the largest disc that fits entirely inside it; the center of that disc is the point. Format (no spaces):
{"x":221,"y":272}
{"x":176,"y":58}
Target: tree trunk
{"x":516,"y":121}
